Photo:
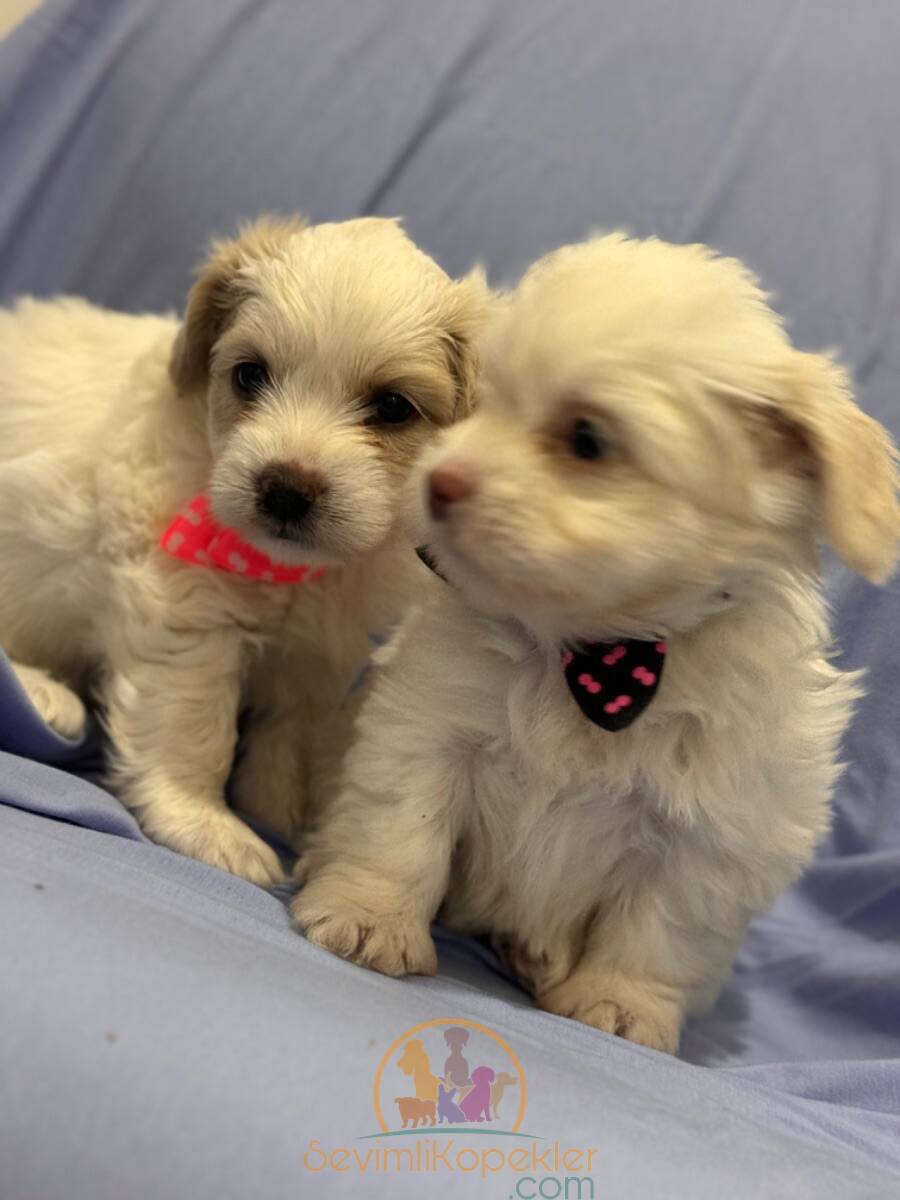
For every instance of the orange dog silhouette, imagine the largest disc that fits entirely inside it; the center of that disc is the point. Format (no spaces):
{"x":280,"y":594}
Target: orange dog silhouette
{"x":414,"y":1062}
{"x":420,"y":1112}
{"x":498,"y":1087}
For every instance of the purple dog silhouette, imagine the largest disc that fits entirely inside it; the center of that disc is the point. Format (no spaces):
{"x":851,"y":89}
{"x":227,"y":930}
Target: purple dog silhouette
{"x":447,"y":1109}
{"x":477,"y":1105}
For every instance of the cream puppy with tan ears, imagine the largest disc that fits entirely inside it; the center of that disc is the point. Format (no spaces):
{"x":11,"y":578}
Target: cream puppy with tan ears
{"x":612,"y":737}
{"x":312,"y":367}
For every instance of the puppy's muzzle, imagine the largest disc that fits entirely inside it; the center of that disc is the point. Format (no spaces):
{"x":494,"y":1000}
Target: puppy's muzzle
{"x":285,"y":496}
{"x":450,"y":485}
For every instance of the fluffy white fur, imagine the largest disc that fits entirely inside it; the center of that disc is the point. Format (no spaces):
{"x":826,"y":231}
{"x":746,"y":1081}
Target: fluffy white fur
{"x":110,"y":424}
{"x":617,"y":871}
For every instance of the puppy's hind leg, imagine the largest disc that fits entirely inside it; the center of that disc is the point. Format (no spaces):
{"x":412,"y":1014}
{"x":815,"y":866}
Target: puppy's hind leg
{"x":57,"y":704}
{"x":269,"y":783}
{"x":666,"y":938}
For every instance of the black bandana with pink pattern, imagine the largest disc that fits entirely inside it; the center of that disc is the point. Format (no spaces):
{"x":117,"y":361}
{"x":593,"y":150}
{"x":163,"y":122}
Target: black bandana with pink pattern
{"x":613,"y":682}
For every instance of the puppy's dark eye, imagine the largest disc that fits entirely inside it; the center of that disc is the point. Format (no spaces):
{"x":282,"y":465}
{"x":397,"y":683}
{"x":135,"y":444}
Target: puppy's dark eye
{"x":390,"y":408}
{"x":249,"y":378}
{"x":586,"y":441}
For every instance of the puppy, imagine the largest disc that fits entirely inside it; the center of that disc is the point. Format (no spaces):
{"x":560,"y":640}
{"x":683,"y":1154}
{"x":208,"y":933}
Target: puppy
{"x":312,"y":366}
{"x":612,"y":737}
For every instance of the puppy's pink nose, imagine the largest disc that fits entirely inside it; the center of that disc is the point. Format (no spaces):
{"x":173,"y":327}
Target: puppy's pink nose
{"x":448,"y":485}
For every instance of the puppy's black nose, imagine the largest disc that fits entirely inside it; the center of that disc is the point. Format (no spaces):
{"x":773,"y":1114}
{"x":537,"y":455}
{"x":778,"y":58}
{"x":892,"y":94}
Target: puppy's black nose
{"x":286,"y":493}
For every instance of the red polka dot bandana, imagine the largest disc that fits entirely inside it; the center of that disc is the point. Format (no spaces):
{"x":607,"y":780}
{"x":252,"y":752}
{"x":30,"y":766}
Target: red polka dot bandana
{"x":613,"y":682}
{"x":197,"y":537}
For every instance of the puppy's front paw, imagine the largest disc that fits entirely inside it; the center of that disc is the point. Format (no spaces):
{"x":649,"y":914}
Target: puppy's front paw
{"x":222,"y":840}
{"x":616,"y":1004}
{"x":392,"y":943}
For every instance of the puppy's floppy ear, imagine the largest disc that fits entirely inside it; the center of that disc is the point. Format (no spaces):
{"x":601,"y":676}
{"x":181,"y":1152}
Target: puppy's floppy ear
{"x":855,"y":462}
{"x":218,"y":291}
{"x":468,"y":307}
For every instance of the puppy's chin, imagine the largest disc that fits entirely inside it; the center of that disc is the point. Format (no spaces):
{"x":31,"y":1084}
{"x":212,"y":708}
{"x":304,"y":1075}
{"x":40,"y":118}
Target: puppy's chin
{"x":289,"y":551}
{"x":557,"y":605}
{"x":323,"y":546}
{"x":483,"y":582}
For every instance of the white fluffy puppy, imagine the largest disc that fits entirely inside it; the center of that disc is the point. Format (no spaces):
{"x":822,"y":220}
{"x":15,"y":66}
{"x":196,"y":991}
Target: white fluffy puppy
{"x":313,"y":365}
{"x":649,"y":469}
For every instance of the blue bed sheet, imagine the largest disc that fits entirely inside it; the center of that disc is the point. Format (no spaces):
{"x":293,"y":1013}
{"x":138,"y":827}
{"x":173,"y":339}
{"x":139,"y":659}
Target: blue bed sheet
{"x":163,"y":1031}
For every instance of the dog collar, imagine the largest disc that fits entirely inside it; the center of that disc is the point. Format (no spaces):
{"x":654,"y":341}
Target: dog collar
{"x":195,"y":536}
{"x":612,"y":682}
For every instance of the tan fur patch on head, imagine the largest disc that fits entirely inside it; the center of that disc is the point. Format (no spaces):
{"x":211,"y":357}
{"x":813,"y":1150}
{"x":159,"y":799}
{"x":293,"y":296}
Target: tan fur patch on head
{"x":217,"y":293}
